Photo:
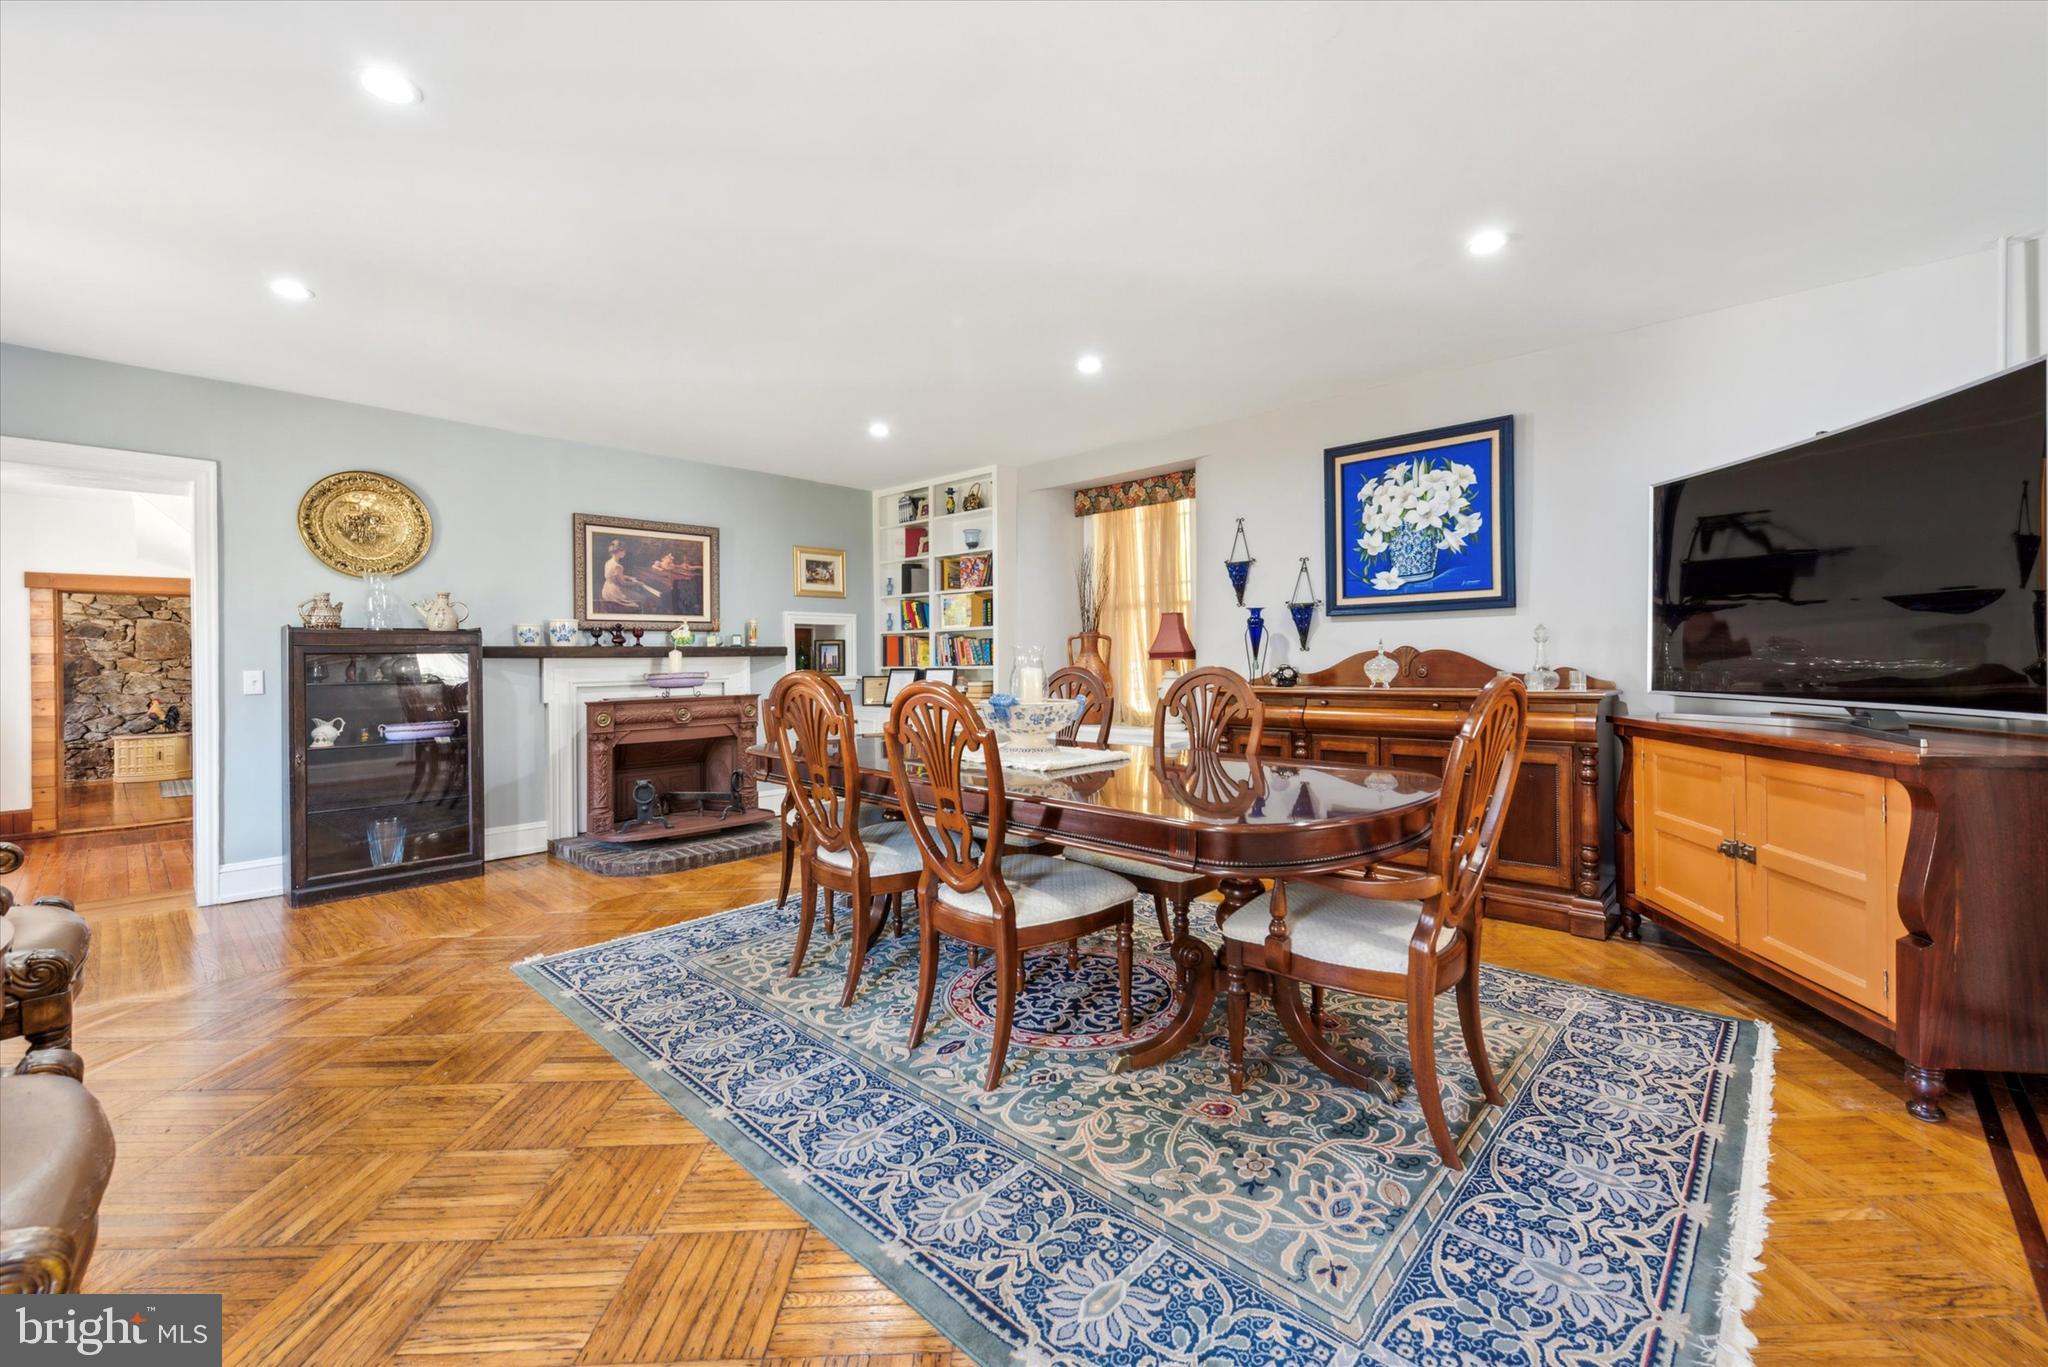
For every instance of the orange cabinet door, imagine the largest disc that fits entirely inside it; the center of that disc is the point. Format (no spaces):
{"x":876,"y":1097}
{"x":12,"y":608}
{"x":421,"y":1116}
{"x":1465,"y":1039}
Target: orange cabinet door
{"x":1819,"y":900}
{"x":1688,"y":802}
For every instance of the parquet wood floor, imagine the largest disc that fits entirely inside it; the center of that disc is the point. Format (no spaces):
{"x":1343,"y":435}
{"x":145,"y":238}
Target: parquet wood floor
{"x":378,"y":1146}
{"x":113,"y":806}
{"x":98,"y":867}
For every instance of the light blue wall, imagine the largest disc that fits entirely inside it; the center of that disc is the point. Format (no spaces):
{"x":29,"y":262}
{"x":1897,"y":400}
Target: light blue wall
{"x":501,"y":504}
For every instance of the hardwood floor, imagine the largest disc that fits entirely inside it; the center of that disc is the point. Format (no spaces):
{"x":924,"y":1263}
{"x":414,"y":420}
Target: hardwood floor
{"x":378,"y":1145}
{"x":112,"y":806}
{"x":99,"y":867}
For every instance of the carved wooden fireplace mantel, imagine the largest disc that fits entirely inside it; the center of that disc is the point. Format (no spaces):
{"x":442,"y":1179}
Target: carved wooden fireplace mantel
{"x":679,"y":744}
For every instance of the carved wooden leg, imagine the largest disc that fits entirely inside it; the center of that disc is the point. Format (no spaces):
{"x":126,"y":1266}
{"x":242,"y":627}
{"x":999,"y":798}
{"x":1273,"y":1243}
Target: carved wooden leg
{"x":1073,"y":955}
{"x":1237,"y":997}
{"x":974,"y":956}
{"x":1007,"y":979}
{"x":1422,"y":1063}
{"x":927,"y":977}
{"x":1123,"y":972}
{"x":1631,"y":924}
{"x":803,"y":924}
{"x":1308,"y":1037}
{"x":868,"y":915}
{"x":1475,"y":1038}
{"x":1315,"y":1008}
{"x":789,"y":844}
{"x":831,"y":909}
{"x":1929,"y":1086}
{"x":1195,"y":966}
{"x":896,"y":910}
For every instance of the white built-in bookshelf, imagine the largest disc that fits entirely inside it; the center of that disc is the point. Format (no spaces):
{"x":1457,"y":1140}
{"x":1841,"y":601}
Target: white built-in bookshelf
{"x":936,"y":595}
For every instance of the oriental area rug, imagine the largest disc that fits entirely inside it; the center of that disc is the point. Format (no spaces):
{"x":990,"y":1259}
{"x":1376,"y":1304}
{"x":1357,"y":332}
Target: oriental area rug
{"x":1611,"y":1212}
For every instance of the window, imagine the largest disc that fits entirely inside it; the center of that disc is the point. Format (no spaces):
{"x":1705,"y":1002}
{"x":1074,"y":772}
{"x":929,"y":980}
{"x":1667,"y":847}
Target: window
{"x":1146,"y":554}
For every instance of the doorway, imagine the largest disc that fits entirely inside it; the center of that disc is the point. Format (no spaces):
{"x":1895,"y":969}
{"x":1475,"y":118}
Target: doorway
{"x":109,"y":710}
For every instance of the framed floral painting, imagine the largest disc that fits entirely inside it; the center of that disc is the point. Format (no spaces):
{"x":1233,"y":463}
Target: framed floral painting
{"x":1423,"y":522}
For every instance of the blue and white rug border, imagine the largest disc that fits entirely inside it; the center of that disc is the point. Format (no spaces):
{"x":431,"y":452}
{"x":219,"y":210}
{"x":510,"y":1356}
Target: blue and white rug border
{"x":1741,"y":1259}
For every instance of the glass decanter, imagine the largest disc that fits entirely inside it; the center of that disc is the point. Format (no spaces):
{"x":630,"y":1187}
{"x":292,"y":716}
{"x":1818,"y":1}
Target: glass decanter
{"x":379,"y":604}
{"x":1541,"y":676}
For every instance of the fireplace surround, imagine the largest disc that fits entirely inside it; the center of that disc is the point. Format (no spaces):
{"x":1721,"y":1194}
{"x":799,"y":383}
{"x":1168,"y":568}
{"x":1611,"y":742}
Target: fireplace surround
{"x":692,"y":746}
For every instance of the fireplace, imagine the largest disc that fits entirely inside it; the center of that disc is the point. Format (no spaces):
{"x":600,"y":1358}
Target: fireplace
{"x":660,"y":768}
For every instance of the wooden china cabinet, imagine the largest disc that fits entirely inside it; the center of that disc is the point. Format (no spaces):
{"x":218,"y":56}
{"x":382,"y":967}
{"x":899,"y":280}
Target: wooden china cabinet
{"x":383,"y":731}
{"x":1551,"y":871}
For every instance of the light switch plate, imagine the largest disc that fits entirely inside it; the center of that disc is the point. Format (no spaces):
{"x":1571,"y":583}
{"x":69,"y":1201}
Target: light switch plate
{"x":252,"y":681}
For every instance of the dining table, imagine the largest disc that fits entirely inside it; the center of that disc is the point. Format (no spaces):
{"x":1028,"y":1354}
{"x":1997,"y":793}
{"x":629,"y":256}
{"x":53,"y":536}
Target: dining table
{"x":1240,"y":818}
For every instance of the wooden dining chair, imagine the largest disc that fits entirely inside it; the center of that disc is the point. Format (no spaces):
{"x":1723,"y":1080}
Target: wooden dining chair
{"x":1393,"y":935}
{"x":1072,"y":681}
{"x":1208,"y":702}
{"x":972,"y":888}
{"x":812,"y":721}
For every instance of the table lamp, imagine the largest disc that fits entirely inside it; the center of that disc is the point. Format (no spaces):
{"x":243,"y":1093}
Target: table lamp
{"x":1171,"y":644}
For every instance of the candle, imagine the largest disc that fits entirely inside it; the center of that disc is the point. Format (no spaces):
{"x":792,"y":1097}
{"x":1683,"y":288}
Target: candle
{"x":674,"y":661}
{"x":1030,"y":683}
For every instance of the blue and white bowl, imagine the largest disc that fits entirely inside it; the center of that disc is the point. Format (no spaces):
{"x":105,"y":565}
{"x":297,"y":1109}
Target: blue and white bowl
{"x":1028,"y":725}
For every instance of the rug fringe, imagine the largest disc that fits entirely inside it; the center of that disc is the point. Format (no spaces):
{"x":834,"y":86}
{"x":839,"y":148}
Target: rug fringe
{"x":1737,"y":1342}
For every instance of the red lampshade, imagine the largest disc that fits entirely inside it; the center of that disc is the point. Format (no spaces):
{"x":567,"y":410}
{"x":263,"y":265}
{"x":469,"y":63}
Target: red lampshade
{"x":1172,"y":642}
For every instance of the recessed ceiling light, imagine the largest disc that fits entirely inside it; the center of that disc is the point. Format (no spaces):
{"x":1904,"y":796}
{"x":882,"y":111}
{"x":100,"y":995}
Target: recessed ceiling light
{"x":1089,"y":364}
{"x":284,"y":287}
{"x":1486,"y":242}
{"x":878,"y":429}
{"x":390,"y":86}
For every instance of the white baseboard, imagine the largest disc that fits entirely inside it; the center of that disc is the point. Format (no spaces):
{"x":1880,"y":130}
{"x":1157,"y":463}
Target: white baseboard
{"x":249,"y":880}
{"x":507,"y":842}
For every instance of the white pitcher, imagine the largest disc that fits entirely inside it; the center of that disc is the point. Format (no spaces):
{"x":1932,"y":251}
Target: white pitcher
{"x":325,"y":733}
{"x":440,"y":614}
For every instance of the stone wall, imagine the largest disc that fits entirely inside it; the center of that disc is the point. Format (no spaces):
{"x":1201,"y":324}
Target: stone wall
{"x":120,"y":650}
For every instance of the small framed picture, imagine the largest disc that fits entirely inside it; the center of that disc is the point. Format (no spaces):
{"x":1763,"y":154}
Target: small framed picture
{"x":944,"y":675}
{"x":899,"y":679}
{"x":874,"y":690}
{"x":829,"y":657}
{"x":819,"y":572}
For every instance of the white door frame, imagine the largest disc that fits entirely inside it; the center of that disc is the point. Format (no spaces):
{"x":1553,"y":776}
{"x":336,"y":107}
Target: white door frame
{"x":846,"y":621}
{"x":200,"y":481}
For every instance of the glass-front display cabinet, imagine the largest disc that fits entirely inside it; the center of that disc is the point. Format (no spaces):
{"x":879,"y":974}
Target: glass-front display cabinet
{"x":386,"y":763}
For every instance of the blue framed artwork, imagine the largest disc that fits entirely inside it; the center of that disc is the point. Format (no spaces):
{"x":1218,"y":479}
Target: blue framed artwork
{"x":1423,"y":522}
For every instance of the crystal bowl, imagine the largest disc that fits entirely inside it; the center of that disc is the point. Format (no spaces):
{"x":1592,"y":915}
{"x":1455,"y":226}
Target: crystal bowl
{"x":1030,"y":725}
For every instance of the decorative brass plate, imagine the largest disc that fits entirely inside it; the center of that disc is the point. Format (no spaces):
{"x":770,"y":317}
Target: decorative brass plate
{"x":360,"y":522}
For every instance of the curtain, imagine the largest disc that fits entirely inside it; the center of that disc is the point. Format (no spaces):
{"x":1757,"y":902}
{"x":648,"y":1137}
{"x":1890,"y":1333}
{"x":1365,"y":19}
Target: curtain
{"x":1148,"y":553}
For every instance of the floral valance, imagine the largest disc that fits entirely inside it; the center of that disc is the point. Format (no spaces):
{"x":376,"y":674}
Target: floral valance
{"x":1134,"y":493}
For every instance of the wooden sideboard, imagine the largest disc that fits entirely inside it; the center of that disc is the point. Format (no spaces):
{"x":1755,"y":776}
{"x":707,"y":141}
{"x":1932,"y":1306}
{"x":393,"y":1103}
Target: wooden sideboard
{"x":1900,"y":888}
{"x":1551,"y":870}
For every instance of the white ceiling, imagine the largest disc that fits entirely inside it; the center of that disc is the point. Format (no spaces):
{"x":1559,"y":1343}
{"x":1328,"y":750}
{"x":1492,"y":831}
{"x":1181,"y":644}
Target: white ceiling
{"x":739,"y":232}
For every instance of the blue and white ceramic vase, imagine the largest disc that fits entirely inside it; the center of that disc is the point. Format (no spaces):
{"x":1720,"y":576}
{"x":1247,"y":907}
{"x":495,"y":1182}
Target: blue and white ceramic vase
{"x":1414,"y":554}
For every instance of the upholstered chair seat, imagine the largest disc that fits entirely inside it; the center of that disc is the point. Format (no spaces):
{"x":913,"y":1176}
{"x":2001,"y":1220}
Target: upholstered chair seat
{"x":1138,"y":868}
{"x":1334,"y":927}
{"x":890,"y":847}
{"x":56,"y":1154}
{"x":1047,"y":889}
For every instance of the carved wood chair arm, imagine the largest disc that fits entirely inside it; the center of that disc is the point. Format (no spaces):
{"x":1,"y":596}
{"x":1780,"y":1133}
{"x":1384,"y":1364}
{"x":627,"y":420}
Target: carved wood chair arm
{"x":36,"y":1260}
{"x":1384,"y":887}
{"x":65,"y":1062}
{"x":36,"y":973}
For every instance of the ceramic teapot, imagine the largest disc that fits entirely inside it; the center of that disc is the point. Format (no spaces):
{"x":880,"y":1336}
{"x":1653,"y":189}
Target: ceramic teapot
{"x":440,"y":614}
{"x":325,"y":733}
{"x":320,"y":611}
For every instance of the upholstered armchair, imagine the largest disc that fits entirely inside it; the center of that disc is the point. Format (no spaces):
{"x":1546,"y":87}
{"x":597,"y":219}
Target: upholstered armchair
{"x":43,"y":965}
{"x":56,"y":1155}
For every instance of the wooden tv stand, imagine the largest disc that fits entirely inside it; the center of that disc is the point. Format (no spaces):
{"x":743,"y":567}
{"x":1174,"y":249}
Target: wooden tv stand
{"x":1900,"y":888}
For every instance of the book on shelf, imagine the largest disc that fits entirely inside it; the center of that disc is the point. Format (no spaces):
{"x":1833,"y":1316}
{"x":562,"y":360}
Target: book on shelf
{"x":917,"y":614}
{"x":967,"y":610}
{"x":915,"y":539}
{"x":967,"y":650}
{"x":917,"y":578}
{"x":965,"y":571}
{"x":906,"y":652}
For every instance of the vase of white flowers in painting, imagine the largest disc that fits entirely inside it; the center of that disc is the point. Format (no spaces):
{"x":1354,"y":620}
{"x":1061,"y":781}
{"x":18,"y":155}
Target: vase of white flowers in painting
{"x":1413,"y":513}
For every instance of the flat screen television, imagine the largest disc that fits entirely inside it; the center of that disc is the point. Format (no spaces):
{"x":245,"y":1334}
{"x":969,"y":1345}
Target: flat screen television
{"x":1895,"y":565}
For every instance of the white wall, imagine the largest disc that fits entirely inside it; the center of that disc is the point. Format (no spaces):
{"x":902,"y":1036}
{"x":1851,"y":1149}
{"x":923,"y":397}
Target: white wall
{"x":501,"y":504}
{"x":1596,"y":424}
{"x":47,"y":528}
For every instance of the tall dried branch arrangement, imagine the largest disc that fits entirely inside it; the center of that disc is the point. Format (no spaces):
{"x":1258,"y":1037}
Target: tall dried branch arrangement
{"x":1091,"y":588}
